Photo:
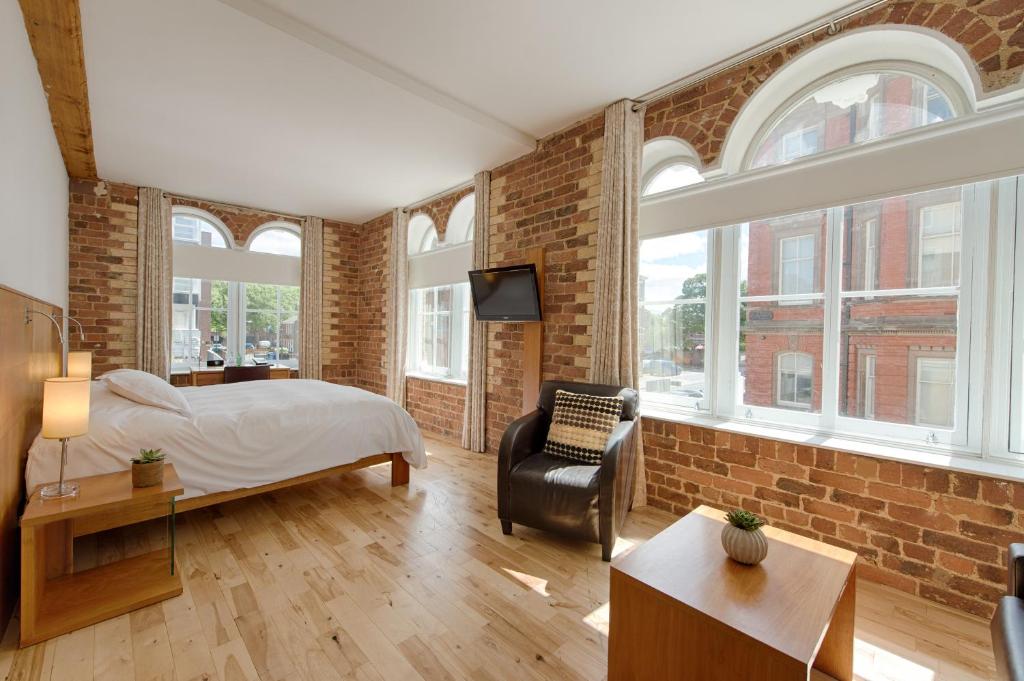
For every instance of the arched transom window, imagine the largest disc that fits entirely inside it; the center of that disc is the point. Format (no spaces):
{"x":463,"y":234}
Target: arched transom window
{"x":851,"y":109}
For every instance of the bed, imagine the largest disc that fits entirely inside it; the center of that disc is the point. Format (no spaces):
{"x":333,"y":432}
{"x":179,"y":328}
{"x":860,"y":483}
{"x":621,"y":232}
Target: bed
{"x":241,"y":438}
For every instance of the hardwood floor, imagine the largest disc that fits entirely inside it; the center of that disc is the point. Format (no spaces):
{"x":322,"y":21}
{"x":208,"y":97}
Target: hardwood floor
{"x":348,"y":578}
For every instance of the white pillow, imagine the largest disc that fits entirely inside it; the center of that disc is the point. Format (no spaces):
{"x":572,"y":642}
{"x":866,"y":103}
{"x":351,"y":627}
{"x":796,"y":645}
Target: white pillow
{"x":145,"y":388}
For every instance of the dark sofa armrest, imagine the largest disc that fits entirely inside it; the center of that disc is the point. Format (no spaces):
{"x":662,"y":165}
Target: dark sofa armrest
{"x":523,"y":437}
{"x":1015,"y":571}
{"x":1007,"y":634}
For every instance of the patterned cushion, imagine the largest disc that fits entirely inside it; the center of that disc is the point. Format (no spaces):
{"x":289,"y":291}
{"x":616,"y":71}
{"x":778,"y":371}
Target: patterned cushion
{"x":581,"y":425}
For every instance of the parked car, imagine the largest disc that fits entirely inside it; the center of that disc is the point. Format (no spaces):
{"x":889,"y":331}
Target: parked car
{"x":660,"y":367}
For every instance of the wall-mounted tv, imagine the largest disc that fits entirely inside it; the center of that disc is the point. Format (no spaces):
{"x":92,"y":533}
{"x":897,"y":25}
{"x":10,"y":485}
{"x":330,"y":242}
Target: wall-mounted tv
{"x":506,"y":294}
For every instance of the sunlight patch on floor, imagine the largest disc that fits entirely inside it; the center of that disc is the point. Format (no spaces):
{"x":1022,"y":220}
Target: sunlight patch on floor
{"x":874,"y":663}
{"x":622,"y":545}
{"x":598,"y":619}
{"x":535,"y":583}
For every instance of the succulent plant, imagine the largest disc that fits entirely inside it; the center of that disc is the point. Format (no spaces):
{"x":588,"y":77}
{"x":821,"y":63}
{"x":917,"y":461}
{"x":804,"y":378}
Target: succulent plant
{"x":149,"y":456}
{"x":745,"y":520}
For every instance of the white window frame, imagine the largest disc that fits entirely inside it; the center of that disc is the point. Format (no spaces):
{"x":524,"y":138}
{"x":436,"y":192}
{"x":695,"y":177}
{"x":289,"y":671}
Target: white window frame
{"x":458,"y":335}
{"x":919,"y":383}
{"x":956,"y":235}
{"x":783,"y":261}
{"x":872,"y":231}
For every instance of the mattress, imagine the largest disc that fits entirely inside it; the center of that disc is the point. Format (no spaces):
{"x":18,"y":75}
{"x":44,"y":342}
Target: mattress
{"x":239,"y":435}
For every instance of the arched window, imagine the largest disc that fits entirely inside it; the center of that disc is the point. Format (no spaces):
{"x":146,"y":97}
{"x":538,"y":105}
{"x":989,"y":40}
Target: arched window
{"x":439,"y":295}
{"x":460,"y":222}
{"x":794,"y":382}
{"x":852,"y":109}
{"x":238,"y":305}
{"x":277,"y":240}
{"x":668,"y":163}
{"x":675,"y":176}
{"x":422,"y":234}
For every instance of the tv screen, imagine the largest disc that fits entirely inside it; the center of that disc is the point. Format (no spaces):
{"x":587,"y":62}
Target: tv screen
{"x":506,"y":294}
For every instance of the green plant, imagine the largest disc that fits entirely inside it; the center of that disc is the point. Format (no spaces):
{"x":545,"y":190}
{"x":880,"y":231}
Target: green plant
{"x":745,"y":520}
{"x":149,"y":456}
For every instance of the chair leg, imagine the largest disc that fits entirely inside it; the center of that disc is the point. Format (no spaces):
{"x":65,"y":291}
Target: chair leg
{"x":606,"y":551}
{"x":506,"y":527}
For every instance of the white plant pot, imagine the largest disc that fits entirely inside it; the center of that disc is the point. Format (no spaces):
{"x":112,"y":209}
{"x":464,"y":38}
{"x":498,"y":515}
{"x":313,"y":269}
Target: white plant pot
{"x":744,"y":546}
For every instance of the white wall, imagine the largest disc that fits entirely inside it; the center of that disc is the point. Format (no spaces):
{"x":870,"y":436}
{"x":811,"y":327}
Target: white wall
{"x":33,"y":181}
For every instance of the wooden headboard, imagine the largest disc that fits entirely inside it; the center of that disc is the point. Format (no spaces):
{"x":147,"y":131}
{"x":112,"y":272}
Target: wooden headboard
{"x":29,"y":353}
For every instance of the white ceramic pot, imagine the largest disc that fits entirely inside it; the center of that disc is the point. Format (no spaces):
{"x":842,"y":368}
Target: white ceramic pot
{"x":744,"y":546}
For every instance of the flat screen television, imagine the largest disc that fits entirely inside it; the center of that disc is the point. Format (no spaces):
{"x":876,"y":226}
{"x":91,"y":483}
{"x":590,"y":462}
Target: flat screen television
{"x":506,"y":294}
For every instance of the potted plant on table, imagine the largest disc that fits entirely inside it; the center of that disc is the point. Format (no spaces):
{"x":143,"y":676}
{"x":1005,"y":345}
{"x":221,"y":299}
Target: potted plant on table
{"x":148,"y":468}
{"x":743,"y":539}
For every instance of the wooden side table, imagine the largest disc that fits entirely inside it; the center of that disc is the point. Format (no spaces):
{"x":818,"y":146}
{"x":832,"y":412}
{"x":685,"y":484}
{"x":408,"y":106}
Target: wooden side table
{"x":54,"y":598}
{"x":681,"y":610}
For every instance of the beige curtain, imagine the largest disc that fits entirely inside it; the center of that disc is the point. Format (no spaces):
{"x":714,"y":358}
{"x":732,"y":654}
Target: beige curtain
{"x":616,"y":358}
{"x":311,"y":297}
{"x":155,"y":283}
{"x":474,"y":422}
{"x":396,"y":314}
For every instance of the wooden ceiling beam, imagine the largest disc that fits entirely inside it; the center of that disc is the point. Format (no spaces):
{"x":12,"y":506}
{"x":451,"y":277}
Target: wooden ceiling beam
{"x":55,"y":32}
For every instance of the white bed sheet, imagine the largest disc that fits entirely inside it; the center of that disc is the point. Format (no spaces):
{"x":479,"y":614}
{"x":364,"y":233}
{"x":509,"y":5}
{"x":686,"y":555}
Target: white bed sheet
{"x":240,"y":434}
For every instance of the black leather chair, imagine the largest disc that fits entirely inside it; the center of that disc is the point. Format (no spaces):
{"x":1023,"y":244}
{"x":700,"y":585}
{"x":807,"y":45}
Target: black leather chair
{"x":236,"y":374}
{"x":556,"y":494}
{"x":1008,"y":623}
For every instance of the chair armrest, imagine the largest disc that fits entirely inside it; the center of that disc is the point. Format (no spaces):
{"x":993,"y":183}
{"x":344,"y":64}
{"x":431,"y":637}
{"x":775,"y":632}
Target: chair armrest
{"x":1008,"y":639}
{"x":616,"y":475}
{"x":523,"y":437}
{"x":1015,"y":571}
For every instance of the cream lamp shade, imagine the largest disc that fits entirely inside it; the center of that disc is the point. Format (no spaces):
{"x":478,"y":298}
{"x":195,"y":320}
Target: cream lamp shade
{"x":65,"y":407}
{"x":80,"y":364}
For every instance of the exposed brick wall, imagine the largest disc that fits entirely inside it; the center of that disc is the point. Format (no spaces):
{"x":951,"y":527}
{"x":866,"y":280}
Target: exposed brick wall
{"x":241,"y":221}
{"x":371,"y":334}
{"x":932,"y":532}
{"x":547,"y":198}
{"x":338,"y":345}
{"x":991,"y":31}
{"x":440,"y":210}
{"x":102,"y":268}
{"x":437,"y":407}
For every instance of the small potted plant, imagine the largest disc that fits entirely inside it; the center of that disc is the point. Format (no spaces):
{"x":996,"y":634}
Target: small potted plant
{"x":743,"y":539}
{"x":148,"y":468}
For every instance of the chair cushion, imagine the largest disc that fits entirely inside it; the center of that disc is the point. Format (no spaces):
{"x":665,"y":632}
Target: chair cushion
{"x":555,"y":494}
{"x":581,"y":425}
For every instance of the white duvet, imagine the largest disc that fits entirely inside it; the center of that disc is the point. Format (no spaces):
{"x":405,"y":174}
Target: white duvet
{"x":240,"y":434}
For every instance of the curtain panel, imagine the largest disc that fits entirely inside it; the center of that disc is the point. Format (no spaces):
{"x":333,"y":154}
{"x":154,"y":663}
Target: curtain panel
{"x":616,"y":358}
{"x":311,"y":298}
{"x":155,"y":283}
{"x":474,"y":422}
{"x":397,"y":301}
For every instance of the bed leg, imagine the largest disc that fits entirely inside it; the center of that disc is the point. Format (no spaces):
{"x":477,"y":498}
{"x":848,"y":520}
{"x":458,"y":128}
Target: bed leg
{"x":399,"y":470}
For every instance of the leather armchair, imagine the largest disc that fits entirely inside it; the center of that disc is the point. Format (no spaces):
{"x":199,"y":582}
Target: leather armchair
{"x":556,"y":494}
{"x":1008,"y":623}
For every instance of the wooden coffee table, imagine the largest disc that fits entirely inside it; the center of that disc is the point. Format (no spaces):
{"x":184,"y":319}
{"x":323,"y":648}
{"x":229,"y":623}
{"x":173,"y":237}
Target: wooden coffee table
{"x":682,"y":610}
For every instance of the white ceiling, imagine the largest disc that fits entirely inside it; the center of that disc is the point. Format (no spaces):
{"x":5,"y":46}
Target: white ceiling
{"x":346,"y":108}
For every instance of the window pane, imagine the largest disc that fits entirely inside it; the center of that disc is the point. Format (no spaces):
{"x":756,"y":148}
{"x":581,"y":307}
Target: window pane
{"x":852,"y":110}
{"x":673,"y":310}
{"x":673,"y":177}
{"x":271,"y":323}
{"x":278,"y":242}
{"x":935,"y":392}
{"x":780,"y":352}
{"x":198,"y":322}
{"x":783,"y":256}
{"x":195,"y":230}
{"x":892,"y":332}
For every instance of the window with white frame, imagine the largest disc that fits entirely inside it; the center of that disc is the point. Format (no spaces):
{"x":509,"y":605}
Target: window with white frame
{"x":673,"y":176}
{"x":233,"y":305}
{"x":888,"y":320}
{"x":438,"y":332}
{"x":794,"y":380}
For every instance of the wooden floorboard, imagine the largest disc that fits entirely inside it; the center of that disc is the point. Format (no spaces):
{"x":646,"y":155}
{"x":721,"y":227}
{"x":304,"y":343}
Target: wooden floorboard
{"x":351,"y":579}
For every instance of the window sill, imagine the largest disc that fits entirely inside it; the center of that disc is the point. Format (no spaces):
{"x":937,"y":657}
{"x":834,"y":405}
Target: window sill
{"x":935,"y":457}
{"x":436,"y":379}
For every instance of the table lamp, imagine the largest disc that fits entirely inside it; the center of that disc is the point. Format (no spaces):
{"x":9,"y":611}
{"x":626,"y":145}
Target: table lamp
{"x":65,"y":415}
{"x":80,"y":364}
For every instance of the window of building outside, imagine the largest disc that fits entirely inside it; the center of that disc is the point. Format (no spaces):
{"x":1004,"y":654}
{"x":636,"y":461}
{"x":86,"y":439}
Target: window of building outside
{"x":228,"y":320}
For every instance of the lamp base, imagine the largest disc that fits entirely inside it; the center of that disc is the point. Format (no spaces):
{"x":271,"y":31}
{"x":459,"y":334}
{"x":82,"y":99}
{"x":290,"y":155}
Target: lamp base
{"x":59,"y":490}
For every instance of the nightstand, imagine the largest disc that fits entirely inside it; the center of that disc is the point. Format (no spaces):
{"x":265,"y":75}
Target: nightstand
{"x":54,"y":598}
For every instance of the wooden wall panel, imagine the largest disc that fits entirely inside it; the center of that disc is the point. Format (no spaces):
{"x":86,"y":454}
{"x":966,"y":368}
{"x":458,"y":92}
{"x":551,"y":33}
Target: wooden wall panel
{"x":29,"y":353}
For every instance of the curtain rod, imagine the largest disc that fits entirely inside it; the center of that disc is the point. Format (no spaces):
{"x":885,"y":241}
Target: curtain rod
{"x":278,"y":213}
{"x":830,"y":25}
{"x":450,"y":190}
